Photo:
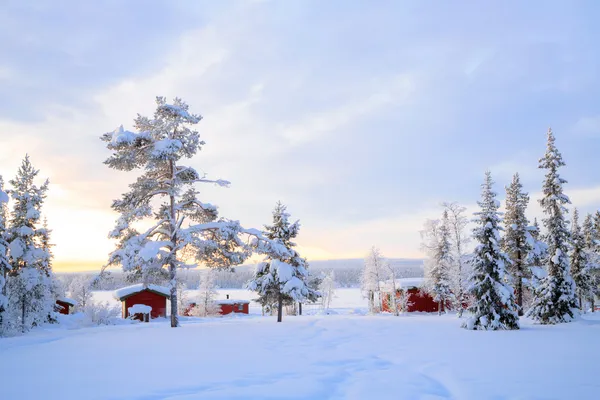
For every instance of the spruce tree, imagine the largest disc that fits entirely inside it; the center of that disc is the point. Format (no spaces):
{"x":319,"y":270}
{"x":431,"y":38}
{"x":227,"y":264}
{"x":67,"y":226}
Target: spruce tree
{"x":182,"y":228}
{"x":580,"y":262}
{"x":493,"y":307}
{"x":555,"y":298}
{"x":30,"y":281}
{"x":282,"y":280}
{"x":537,"y":256}
{"x":591,"y":240}
{"x":440,"y":261}
{"x":515,"y":242}
{"x":4,"y":262}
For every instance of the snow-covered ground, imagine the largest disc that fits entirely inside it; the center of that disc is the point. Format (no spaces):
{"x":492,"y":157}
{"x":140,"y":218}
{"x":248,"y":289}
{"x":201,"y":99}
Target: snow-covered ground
{"x":343,"y":356}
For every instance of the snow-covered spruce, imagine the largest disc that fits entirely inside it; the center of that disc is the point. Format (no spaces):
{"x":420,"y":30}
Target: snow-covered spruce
{"x":516,"y":242}
{"x":554,"y":300}
{"x":30,"y":281}
{"x":182,"y":227}
{"x":493,"y":306}
{"x":4,"y":263}
{"x":280,"y":280}
{"x":439,"y":263}
{"x":580,"y":263}
{"x":536,"y":260}
{"x":592,"y":247}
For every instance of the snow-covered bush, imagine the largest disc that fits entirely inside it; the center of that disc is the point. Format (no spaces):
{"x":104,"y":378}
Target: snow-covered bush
{"x":98,"y":313}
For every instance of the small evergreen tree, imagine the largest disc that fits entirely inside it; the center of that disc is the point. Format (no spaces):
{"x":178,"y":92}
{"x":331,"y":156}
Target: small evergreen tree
{"x":516,"y":243}
{"x":535,"y":261}
{"x":4,"y":262}
{"x":183,"y":229}
{"x":580,"y":263}
{"x":555,"y":298}
{"x":282,"y":278}
{"x":439,"y":262}
{"x":592,"y":247}
{"x":30,"y":282}
{"x":493,"y":307}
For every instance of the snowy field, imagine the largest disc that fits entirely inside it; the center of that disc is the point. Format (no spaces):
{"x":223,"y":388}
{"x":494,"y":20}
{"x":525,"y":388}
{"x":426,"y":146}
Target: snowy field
{"x":343,"y":356}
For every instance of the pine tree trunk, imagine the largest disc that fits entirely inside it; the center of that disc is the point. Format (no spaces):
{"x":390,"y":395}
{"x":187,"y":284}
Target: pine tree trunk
{"x":440,"y":307}
{"x":172,"y":259}
{"x":593,"y":302}
{"x":279,"y":307}
{"x":23,"y":314}
{"x":299,"y":308}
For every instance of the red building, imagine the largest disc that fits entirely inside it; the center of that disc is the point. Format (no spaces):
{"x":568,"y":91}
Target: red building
{"x":233,"y":306}
{"x":151,"y":295}
{"x":226,"y":306}
{"x":409,"y":295}
{"x":64,"y":305}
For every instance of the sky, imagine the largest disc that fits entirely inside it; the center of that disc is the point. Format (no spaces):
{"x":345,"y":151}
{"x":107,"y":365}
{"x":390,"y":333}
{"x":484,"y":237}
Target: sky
{"x":361,"y":116}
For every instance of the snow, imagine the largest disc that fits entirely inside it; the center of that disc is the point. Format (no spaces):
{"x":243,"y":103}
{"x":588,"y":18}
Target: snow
{"x":403,"y":283}
{"x":129,"y":290}
{"x":338,"y":356}
{"x":139,"y":309}
{"x":3,"y":197}
{"x":67,"y":300}
{"x":231,"y":301}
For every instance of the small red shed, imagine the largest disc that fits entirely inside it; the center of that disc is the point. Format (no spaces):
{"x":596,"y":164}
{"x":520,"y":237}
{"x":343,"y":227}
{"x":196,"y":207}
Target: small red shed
{"x":416,"y":298}
{"x":151,"y":295}
{"x":64,"y":305}
{"x":233,"y":306}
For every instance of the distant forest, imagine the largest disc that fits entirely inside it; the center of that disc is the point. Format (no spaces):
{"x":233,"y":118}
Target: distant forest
{"x":347,"y":274}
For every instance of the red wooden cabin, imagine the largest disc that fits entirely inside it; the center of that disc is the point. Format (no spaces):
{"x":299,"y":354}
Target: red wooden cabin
{"x":227,"y":306}
{"x":233,"y":306}
{"x":418,"y":299}
{"x":64,"y":305}
{"x":151,"y":295}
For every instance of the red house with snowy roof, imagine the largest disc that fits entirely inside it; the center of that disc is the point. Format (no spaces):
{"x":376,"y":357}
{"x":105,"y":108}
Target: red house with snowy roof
{"x":411,"y":291}
{"x":150,"y":295}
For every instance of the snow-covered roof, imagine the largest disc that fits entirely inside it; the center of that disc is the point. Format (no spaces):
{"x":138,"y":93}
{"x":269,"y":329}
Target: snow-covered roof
{"x":123,"y":293}
{"x":403,"y":283}
{"x":67,"y":300}
{"x":230,"y":301}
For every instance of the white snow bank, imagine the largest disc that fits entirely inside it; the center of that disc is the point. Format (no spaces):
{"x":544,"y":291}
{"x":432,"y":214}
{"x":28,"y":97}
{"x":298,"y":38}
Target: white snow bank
{"x":139,"y":309}
{"x":129,"y":290}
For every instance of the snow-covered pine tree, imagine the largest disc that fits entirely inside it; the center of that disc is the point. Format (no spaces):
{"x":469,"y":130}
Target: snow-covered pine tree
{"x":515,"y":242}
{"x":494,"y":306}
{"x":555,"y":298}
{"x":4,"y":263}
{"x":459,"y":239}
{"x":535,"y":261}
{"x":590,"y":235}
{"x":282,"y":279}
{"x":30,"y":281}
{"x":370,"y":278}
{"x":440,"y":260}
{"x":183,"y":228}
{"x":580,"y":263}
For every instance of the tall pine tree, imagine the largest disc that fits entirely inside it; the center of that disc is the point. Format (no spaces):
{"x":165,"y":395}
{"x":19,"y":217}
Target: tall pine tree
{"x":182,"y":228}
{"x":592,"y":247}
{"x":30,"y":282}
{"x":555,"y":298}
{"x":580,"y":263}
{"x":283,"y":279}
{"x":493,"y":307}
{"x":515,"y":242}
